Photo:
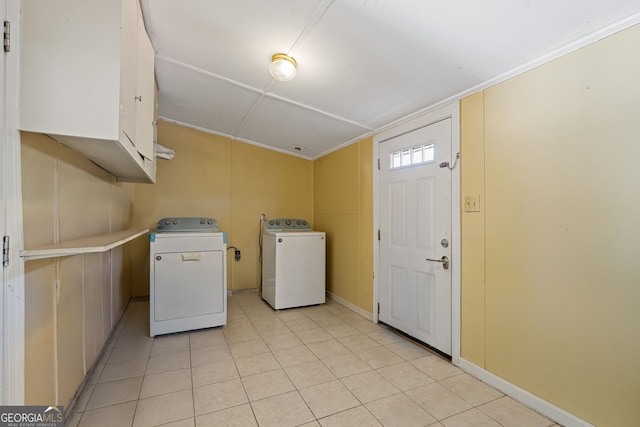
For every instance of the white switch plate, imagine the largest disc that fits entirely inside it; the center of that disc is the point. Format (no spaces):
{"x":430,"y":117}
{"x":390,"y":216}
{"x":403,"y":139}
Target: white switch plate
{"x":472,"y":203}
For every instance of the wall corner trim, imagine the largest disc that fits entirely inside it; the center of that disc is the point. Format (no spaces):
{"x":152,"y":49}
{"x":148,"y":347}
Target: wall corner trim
{"x":534,"y":402}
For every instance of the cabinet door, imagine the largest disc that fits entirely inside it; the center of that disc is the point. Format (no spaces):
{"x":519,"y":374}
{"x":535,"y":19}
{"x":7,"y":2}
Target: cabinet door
{"x":79,"y":81}
{"x":70,"y":68}
{"x":129,"y":69}
{"x":145,"y":101}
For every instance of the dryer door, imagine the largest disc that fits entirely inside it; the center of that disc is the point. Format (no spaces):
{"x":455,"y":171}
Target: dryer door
{"x":188,"y":284}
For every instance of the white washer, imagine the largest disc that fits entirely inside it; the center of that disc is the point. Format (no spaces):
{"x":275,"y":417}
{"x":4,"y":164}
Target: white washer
{"x":188,"y":275}
{"x":293,"y":264}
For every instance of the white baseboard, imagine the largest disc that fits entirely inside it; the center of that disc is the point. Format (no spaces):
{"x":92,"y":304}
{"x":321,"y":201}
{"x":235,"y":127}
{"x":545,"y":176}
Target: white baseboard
{"x":534,"y":402}
{"x":350,"y":306}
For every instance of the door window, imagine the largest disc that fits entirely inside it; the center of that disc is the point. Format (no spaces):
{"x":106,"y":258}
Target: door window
{"x":417,"y":155}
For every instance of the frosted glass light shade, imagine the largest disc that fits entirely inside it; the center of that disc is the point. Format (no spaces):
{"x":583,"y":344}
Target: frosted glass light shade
{"x":282,"y":67}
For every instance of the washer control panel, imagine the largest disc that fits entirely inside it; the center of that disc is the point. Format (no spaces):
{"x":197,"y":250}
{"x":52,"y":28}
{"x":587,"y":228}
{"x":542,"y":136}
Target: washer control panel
{"x":287,"y":224}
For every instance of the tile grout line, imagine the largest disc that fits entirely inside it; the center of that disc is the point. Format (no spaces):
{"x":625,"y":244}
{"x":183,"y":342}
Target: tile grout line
{"x":372,"y":368}
{"x":261,"y":334}
{"x":306,"y":345}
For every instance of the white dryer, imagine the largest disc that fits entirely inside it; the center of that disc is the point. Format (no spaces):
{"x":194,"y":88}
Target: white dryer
{"x":293,"y":264}
{"x":188,"y":275}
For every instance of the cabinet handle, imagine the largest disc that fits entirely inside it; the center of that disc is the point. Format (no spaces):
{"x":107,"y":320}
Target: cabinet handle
{"x":139,"y":98}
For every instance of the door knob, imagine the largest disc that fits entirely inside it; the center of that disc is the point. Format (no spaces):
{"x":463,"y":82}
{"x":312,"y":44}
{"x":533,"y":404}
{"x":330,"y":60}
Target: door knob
{"x":444,"y":260}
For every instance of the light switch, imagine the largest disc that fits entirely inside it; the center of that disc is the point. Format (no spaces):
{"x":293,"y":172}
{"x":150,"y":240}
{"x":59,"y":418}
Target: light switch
{"x":472,"y":203}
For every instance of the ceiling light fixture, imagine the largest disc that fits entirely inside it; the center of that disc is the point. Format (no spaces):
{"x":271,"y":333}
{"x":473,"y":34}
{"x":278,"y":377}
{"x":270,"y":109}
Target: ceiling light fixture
{"x":283,"y":67}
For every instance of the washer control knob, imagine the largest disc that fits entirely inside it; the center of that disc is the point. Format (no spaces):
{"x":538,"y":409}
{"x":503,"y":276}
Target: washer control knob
{"x":210,"y":222}
{"x":298,"y":222}
{"x":175,"y":221}
{"x":304,"y":222}
{"x":288,"y":222}
{"x":271,"y":222}
{"x":167,"y":222}
{"x":277,"y":222}
{"x":202,"y":221}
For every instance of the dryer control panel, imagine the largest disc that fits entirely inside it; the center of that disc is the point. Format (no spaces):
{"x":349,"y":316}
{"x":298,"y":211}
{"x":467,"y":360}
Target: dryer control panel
{"x":187,"y":225}
{"x":287,"y":224}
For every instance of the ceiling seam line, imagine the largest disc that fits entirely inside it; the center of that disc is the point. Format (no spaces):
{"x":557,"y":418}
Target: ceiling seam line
{"x":316,"y":110}
{"x":260,"y":92}
{"x":249,"y":113}
{"x":209,"y":74}
{"x":317,"y":15}
{"x":205,"y":73}
{"x":234,"y":138}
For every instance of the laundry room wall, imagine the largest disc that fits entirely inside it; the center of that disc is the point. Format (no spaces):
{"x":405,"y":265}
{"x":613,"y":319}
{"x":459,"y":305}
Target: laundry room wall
{"x":71,"y":302}
{"x":231,"y":181}
{"x":343,"y":206}
{"x":269,"y":182}
{"x":550,"y":276}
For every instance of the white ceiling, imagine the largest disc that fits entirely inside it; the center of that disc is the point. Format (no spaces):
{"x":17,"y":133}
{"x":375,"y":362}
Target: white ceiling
{"x":362,"y":64}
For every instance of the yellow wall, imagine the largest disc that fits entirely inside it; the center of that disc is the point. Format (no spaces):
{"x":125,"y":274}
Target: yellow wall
{"x":231,"y":181}
{"x":343,"y":208}
{"x":69,"y":309}
{"x":549,"y":276}
{"x":472,"y":256}
{"x":551,"y":303}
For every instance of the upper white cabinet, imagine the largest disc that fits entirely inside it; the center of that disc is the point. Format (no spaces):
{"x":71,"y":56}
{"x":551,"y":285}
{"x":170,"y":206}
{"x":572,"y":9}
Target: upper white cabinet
{"x":87,"y":80}
{"x":146,"y":95}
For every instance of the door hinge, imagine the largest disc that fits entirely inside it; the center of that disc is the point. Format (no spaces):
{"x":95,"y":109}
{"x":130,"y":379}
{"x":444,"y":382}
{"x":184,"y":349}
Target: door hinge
{"x":378,"y":164}
{"x":7,"y":36}
{"x":378,"y":234}
{"x":5,"y":251}
{"x":378,"y":308}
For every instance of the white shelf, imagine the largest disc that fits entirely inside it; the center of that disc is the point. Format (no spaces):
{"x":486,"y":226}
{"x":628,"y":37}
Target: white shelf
{"x":92,"y":244}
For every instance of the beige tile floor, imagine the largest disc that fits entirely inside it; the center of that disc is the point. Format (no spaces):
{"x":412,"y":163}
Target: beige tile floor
{"x":314,"y":366}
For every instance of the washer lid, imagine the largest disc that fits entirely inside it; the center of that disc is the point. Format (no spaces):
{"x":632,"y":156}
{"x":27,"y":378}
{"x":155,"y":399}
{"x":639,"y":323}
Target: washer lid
{"x":287,"y":224}
{"x":187,"y":225}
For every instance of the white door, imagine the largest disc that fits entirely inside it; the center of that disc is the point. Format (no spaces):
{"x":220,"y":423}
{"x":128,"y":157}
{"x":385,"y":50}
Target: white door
{"x":12,"y":275}
{"x":415,"y":234}
{"x":4,"y":141}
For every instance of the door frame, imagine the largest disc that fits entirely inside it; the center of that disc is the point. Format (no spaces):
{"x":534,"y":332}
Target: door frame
{"x":451,"y":111}
{"x":12,"y":320}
